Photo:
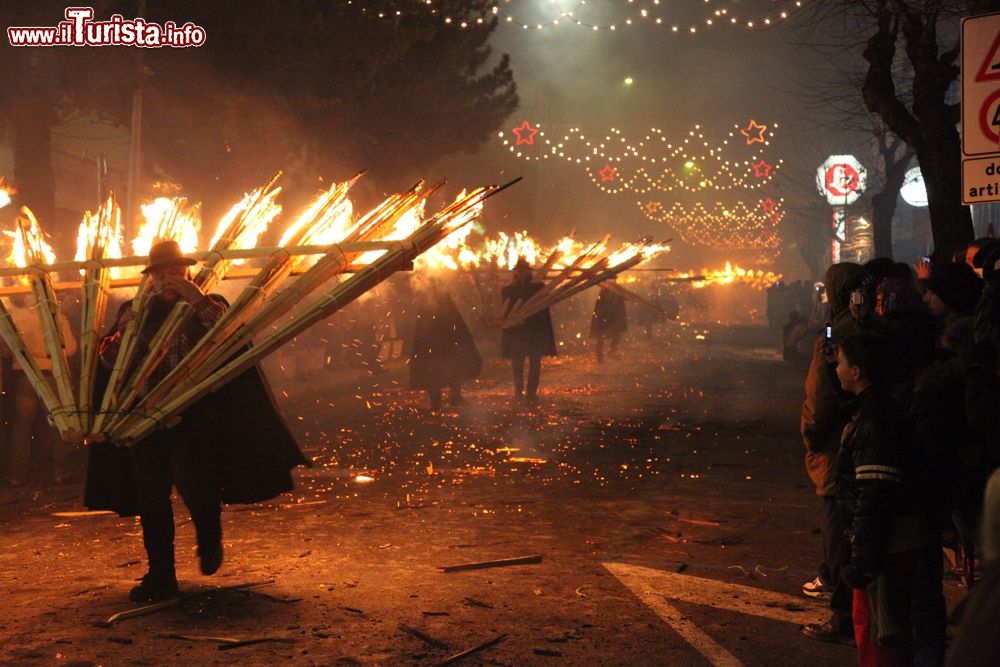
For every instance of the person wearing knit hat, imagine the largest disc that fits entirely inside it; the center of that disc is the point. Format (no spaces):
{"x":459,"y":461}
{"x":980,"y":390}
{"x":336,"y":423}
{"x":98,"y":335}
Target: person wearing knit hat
{"x":953,"y":290}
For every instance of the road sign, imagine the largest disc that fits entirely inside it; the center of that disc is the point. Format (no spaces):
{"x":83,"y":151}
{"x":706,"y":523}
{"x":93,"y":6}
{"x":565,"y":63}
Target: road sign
{"x":841,"y":179}
{"x":981,"y":109}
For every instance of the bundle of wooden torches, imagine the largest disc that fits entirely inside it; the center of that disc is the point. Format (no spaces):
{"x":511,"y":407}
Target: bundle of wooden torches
{"x":259,"y":321}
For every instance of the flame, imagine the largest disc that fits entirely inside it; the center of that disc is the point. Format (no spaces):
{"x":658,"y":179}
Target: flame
{"x":755,"y":278}
{"x":168,"y":218}
{"x":406,"y":224}
{"x":449,"y":253}
{"x":256,"y":212}
{"x":5,"y":192}
{"x":505,"y":250}
{"x":100,"y":234}
{"x":30,"y":247}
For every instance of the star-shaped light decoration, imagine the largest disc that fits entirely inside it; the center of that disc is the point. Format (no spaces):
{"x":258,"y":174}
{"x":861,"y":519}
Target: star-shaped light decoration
{"x":652,"y":207}
{"x":762,"y":169}
{"x":768,"y":205}
{"x":525,"y":134}
{"x":754,"y":132}
{"x":608,"y":173}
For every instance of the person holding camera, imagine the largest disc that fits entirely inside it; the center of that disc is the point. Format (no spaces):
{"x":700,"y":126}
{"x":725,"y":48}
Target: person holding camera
{"x":822,"y":420}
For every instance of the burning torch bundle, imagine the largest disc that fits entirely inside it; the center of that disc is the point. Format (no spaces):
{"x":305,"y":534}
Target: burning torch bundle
{"x":363,"y":253}
{"x":566,"y":276}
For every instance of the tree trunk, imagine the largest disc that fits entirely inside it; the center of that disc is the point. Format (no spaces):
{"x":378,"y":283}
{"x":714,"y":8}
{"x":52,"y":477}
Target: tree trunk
{"x":884,"y":202}
{"x":940,"y":162}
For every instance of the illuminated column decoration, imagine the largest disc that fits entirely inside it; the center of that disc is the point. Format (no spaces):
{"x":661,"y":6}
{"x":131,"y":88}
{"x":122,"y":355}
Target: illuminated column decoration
{"x":841,"y":179}
{"x":723,"y":227}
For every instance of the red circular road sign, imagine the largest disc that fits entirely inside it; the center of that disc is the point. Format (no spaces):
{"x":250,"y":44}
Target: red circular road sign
{"x":985,"y":122}
{"x":841,"y":179}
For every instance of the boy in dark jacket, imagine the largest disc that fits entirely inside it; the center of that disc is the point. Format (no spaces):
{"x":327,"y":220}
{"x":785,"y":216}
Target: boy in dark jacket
{"x":876,"y":485}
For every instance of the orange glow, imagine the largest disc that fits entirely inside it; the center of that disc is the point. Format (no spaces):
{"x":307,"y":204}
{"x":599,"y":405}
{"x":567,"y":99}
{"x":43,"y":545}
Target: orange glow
{"x":755,"y":278}
{"x":168,"y":218}
{"x":5,"y":192}
{"x":100,"y":234}
{"x":29,"y":246}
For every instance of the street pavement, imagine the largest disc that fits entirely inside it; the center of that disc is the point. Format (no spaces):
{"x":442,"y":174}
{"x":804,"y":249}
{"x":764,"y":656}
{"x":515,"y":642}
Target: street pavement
{"x":661,"y":493}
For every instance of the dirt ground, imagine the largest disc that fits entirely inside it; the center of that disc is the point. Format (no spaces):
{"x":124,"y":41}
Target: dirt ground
{"x":682,"y":456}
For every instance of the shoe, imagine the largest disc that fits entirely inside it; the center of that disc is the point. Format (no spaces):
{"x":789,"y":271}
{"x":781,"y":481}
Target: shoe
{"x":210,"y":558}
{"x":817,"y":588}
{"x":834,"y":631}
{"x":155,"y":588}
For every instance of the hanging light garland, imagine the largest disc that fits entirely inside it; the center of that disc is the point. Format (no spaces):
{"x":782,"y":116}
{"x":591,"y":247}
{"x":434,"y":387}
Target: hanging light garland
{"x":616,"y":165}
{"x":723,"y":227}
{"x":648,"y":15}
{"x":529,"y":141}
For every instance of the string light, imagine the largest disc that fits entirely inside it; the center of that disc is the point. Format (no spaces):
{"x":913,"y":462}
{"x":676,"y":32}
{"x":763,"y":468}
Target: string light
{"x":724,"y":227}
{"x":616,"y":165}
{"x":717,"y":16}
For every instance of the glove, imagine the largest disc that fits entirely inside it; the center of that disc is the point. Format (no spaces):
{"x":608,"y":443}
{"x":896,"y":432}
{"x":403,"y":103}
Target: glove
{"x":856,"y":577}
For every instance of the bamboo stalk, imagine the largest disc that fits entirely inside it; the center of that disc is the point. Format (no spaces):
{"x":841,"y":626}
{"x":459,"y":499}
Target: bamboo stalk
{"x":253,"y":316}
{"x":126,"y":352}
{"x":11,"y":336}
{"x":423,"y":238}
{"x":629,"y":294}
{"x":47,"y":308}
{"x":95,"y":285}
{"x":232,"y":253}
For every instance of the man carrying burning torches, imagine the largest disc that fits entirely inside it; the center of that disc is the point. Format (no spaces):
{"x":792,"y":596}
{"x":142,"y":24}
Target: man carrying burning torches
{"x":610,"y":321}
{"x":442,"y":352}
{"x":531,"y":339}
{"x":211,"y":459}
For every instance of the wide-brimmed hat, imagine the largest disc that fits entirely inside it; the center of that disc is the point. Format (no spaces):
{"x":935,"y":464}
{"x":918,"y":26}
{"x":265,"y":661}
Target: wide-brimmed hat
{"x":522,"y":265}
{"x":164,"y":254}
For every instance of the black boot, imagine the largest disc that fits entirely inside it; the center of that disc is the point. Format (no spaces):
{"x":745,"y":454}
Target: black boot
{"x":210,"y":557}
{"x":155,"y":587}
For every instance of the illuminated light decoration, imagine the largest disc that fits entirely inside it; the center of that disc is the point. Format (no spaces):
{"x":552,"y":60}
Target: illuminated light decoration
{"x":724,"y":227}
{"x":841,"y":179}
{"x":754,"y":132}
{"x":914,"y":192}
{"x":643,"y":181}
{"x":607,"y":173}
{"x":692,"y":164}
{"x":573,"y":17}
{"x":756,"y":278}
{"x":576,"y":148}
{"x":859,"y":244}
{"x":762,"y":169}
{"x":525,"y":134}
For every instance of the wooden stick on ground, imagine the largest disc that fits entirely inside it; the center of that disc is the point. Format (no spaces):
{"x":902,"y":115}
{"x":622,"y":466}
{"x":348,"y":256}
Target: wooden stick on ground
{"x":437,"y":643}
{"x":475,"y":649}
{"x":482,"y":565}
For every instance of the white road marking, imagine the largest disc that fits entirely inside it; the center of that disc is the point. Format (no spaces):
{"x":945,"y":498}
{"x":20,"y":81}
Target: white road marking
{"x":655,"y":587}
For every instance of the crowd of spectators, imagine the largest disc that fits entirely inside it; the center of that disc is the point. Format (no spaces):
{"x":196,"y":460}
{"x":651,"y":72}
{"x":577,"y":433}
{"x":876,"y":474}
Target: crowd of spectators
{"x":900,"y":425}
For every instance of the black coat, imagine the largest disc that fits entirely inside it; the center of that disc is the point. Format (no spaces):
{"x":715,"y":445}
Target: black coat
{"x":877,"y":475}
{"x":532,"y":338}
{"x":254,"y":451}
{"x":442,"y":351}
{"x":609,"y":317}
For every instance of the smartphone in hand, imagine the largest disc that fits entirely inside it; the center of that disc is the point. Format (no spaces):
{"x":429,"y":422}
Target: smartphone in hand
{"x":828,"y":340}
